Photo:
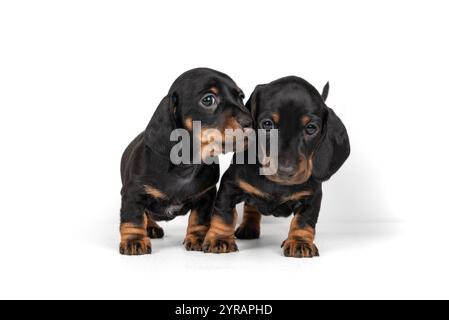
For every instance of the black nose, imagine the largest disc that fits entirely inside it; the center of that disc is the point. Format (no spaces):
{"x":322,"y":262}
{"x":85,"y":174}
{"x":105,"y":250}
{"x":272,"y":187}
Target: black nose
{"x":286,"y":171}
{"x":246,"y":122}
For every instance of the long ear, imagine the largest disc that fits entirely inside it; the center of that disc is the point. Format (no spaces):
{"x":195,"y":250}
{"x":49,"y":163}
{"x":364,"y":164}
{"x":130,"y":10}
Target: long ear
{"x":333,"y":150}
{"x":252,"y":102}
{"x":157,"y":133}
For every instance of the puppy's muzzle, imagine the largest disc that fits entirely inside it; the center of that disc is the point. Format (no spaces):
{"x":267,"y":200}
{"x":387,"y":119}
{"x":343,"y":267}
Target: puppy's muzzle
{"x":246,"y":122}
{"x":286,"y":171}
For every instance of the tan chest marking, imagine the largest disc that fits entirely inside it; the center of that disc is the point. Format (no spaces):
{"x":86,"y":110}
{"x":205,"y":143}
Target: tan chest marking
{"x":248,"y":188}
{"x":305,"y":120}
{"x":154,"y":192}
{"x":297,"y":196}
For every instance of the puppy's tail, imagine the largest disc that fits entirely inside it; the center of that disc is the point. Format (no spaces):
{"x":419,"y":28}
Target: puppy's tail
{"x":325,"y":93}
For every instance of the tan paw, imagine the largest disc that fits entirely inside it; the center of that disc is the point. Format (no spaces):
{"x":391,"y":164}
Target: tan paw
{"x":219,"y":245}
{"x":135,"y":247}
{"x":194,"y":242}
{"x":298,"y":248}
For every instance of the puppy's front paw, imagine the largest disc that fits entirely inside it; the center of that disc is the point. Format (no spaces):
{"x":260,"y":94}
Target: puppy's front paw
{"x":194,"y":242}
{"x":135,"y":247}
{"x":245,"y":232}
{"x":155,"y":232}
{"x":298,"y":248}
{"x":219,"y":245}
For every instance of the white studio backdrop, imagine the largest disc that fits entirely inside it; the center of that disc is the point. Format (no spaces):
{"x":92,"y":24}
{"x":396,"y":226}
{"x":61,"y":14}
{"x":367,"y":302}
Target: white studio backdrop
{"x":80,"y":79}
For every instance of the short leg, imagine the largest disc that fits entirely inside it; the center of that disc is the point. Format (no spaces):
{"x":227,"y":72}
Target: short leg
{"x":196,"y":231}
{"x":154,"y":231}
{"x":199,"y":221}
{"x":134,"y":239}
{"x":220,"y":237}
{"x":300,"y":241}
{"x":250,"y":227}
{"x":133,"y":226}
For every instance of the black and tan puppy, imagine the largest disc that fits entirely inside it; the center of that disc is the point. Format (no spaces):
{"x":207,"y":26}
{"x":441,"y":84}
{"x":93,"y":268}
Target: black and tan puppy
{"x":155,"y":189}
{"x":313,"y":144}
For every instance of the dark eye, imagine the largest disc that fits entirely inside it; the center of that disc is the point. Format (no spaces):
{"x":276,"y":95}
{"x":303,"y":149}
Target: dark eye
{"x":209,"y":100}
{"x":311,"y":129}
{"x":267,"y":124}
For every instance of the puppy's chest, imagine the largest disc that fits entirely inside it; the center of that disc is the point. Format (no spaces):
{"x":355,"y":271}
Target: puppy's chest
{"x":178,"y":192}
{"x":175,"y":195}
{"x":281,"y":202}
{"x":177,"y":203}
{"x":180,"y":185}
{"x":274,"y":207}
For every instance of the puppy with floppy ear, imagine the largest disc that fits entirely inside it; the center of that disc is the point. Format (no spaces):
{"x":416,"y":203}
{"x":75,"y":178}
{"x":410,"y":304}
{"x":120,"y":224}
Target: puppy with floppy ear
{"x":156,"y":189}
{"x":313,"y":144}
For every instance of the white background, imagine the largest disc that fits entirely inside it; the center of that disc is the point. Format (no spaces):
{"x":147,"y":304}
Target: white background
{"x":79,"y":79}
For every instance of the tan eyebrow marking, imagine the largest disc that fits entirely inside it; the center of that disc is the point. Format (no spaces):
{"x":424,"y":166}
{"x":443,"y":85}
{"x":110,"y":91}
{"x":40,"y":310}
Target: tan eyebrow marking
{"x":214,"y":90}
{"x":245,"y":186}
{"x":276,"y":117}
{"x":305,"y":120}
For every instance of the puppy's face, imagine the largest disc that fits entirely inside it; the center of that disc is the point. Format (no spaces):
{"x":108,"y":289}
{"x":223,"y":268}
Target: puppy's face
{"x":296,"y":109}
{"x":213,"y":99}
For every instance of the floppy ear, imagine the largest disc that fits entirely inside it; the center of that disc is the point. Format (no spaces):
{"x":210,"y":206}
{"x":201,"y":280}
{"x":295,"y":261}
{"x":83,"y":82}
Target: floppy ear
{"x":333,"y":150}
{"x":157,"y":133}
{"x":252,"y":102}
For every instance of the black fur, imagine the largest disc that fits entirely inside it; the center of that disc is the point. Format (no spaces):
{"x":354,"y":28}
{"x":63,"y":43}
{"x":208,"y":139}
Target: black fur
{"x":146,"y":161}
{"x":296,"y":104}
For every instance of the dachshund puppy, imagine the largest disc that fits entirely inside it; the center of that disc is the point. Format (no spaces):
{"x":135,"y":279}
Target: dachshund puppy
{"x":155,"y":189}
{"x":312,"y":143}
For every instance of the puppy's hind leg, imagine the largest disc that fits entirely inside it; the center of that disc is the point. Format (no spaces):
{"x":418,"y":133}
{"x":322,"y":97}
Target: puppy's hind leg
{"x":154,"y":231}
{"x":250,"y":227}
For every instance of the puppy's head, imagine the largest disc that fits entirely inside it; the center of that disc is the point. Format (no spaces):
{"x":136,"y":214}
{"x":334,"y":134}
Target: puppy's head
{"x":312,"y":139}
{"x":202,"y":95}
